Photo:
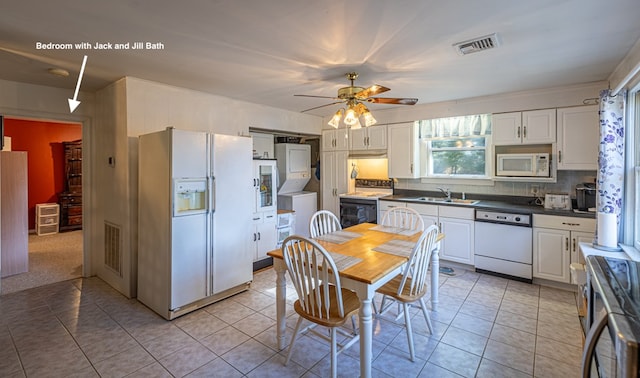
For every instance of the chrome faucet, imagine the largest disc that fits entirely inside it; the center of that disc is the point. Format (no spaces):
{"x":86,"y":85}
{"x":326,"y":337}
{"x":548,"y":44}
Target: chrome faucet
{"x":446,"y":192}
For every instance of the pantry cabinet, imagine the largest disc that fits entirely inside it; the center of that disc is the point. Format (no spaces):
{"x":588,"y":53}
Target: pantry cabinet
{"x":368,"y":138}
{"x":555,"y":244}
{"x":528,"y":127}
{"x":335,"y":140}
{"x":403,"y":151}
{"x":577,"y":138}
{"x":333,"y":178}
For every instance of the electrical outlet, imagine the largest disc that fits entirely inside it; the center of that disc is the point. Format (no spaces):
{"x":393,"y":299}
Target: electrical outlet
{"x":535,"y":189}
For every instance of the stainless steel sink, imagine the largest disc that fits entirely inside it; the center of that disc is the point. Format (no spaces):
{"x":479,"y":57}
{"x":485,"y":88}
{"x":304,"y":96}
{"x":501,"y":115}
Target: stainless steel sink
{"x":444,"y":200}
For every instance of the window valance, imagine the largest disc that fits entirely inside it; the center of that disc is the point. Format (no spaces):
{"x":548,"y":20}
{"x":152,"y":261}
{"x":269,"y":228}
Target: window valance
{"x":463,"y":126}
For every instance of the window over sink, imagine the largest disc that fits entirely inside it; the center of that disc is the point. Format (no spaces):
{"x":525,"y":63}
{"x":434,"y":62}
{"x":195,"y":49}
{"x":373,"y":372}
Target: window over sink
{"x":456,"y":147}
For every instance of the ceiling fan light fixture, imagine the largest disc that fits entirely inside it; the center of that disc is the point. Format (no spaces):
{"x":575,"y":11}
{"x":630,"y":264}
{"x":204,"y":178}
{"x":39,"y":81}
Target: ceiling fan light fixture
{"x":356,"y":125}
{"x":368,"y":119}
{"x":335,"y":120}
{"x":350,"y":117}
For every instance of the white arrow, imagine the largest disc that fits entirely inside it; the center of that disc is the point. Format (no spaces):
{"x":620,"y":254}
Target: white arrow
{"x":73,"y":103}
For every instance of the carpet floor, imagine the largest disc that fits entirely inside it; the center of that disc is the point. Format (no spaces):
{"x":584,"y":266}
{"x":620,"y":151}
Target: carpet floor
{"x":52,"y":258}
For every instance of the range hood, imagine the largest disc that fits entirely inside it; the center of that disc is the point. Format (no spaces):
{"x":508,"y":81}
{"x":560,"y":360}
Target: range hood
{"x":368,"y":154}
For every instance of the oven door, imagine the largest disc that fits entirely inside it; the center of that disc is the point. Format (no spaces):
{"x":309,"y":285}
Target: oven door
{"x":355,"y":211}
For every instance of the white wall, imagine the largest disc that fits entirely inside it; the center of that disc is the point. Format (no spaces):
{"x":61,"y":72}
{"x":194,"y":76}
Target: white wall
{"x":30,"y":101}
{"x":131,"y":107}
{"x":153,"y":106}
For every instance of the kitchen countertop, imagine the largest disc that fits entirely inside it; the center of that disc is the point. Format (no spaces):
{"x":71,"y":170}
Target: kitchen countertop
{"x":514,"y":204}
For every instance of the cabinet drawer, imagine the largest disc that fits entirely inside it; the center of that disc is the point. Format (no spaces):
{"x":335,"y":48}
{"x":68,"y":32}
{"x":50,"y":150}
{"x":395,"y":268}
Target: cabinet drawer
{"x":564,"y":223}
{"x":456,"y":212}
{"x":424,"y":209}
{"x":386,"y":205}
{"x":74,"y":221}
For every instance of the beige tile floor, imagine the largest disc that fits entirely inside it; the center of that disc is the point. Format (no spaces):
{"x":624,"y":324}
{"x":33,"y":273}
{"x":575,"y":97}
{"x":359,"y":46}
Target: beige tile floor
{"x":485,"y":327}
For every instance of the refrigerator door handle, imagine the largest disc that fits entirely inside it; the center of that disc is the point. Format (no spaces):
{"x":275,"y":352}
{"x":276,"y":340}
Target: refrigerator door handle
{"x":213,"y":194}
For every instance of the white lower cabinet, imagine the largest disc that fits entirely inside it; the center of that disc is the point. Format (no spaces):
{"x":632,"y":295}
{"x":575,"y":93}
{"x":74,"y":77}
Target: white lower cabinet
{"x":456,"y":223}
{"x":555,"y":245}
{"x":265,"y":235}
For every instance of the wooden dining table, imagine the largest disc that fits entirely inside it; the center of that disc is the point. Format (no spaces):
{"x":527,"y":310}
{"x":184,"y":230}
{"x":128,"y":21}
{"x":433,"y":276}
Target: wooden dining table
{"x":363,"y":267}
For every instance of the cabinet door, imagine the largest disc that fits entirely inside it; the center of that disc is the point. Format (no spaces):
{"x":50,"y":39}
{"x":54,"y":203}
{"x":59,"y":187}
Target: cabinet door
{"x":551,"y":254}
{"x":429,"y":220}
{"x":358,"y":139}
{"x":377,"y":137}
{"x":328,"y":181}
{"x":403,"y":156}
{"x":341,"y":176}
{"x":578,"y":133}
{"x":328,"y":140}
{"x":539,"y":126}
{"x":266,"y":238}
{"x":342,"y":139}
{"x":457,"y":244}
{"x":265,"y":185}
{"x":506,"y":128}
{"x":334,"y":179}
{"x":578,"y":237}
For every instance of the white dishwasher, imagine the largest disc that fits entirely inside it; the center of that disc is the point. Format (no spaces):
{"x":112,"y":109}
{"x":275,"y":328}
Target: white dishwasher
{"x":503,"y":244}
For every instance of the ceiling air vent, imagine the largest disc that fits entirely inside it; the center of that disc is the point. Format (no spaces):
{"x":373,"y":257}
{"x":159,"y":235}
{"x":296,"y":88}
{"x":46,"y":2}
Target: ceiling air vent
{"x":477,"y":44}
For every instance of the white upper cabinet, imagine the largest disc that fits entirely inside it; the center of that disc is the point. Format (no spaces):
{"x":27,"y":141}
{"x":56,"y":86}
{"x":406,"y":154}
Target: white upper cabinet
{"x":335,"y":140}
{"x":578,"y":133}
{"x":368,"y":138}
{"x":403,"y":151}
{"x":529,"y":127}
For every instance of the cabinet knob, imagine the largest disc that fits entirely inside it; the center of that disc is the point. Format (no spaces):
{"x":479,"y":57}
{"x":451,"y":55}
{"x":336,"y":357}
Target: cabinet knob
{"x":559,"y":156}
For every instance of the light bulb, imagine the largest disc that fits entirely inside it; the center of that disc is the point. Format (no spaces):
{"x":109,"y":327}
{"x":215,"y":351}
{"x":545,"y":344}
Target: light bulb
{"x":350,"y":117}
{"x":335,"y":120}
{"x":356,"y":125}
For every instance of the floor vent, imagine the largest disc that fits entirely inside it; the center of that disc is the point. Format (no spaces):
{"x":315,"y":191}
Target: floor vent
{"x":477,"y":44}
{"x":112,"y":248}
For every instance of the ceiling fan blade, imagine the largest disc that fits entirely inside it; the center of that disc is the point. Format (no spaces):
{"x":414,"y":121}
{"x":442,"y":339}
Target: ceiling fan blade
{"x":335,"y":98}
{"x":371,"y":91}
{"x":322,"y":106}
{"x":387,"y":100}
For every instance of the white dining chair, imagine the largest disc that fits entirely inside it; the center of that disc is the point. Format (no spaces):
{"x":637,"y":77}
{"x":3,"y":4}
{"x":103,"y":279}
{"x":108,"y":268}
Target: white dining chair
{"x":323,"y":222}
{"x":321,"y":298}
{"x":411,"y":286}
{"x":403,"y":217}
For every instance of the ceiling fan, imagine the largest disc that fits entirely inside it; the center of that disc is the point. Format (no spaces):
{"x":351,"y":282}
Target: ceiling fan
{"x":353,"y":93}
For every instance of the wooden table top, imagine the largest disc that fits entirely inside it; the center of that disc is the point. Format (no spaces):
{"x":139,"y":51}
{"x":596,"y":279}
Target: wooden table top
{"x":374,"y":265}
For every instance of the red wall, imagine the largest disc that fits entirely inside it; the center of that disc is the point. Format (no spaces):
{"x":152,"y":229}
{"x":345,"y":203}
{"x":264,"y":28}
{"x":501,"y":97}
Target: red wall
{"x":45,"y":156}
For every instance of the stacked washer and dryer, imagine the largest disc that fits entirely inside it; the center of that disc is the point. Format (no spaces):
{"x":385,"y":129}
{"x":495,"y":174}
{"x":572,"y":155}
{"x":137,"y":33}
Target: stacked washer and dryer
{"x":294,"y":172}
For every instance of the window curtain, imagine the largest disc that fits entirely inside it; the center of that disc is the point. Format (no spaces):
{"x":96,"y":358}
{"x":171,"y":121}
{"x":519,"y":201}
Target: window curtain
{"x":472,"y":125}
{"x":610,"y":161}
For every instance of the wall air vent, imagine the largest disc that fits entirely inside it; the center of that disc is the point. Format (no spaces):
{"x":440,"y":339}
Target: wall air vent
{"x":112,"y":248}
{"x":477,"y":44}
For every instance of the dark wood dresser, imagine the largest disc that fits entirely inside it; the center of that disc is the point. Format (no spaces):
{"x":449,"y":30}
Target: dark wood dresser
{"x":71,"y":199}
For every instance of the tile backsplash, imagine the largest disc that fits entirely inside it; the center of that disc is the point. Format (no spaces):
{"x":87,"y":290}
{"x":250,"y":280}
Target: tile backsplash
{"x":566,"y":183}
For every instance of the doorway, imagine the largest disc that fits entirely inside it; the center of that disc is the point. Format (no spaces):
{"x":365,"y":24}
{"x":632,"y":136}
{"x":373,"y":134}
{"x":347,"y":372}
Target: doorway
{"x":52,"y":179}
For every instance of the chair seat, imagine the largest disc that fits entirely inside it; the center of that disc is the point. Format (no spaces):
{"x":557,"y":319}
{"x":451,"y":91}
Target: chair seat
{"x":351,"y":307}
{"x":391,"y":289}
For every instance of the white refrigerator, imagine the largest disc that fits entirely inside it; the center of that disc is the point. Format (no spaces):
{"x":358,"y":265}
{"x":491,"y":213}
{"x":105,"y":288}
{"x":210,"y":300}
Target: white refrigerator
{"x":194,"y":215}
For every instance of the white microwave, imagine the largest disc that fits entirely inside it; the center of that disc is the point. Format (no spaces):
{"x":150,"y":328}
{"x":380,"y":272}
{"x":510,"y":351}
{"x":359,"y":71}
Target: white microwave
{"x":523,"y":165}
